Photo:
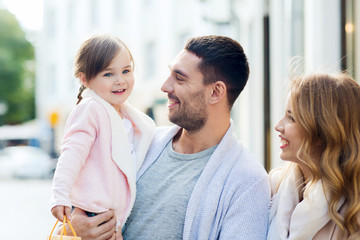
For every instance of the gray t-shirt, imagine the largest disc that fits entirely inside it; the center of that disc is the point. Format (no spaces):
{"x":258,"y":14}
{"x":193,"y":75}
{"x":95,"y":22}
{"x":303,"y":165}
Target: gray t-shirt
{"x":163,"y":192}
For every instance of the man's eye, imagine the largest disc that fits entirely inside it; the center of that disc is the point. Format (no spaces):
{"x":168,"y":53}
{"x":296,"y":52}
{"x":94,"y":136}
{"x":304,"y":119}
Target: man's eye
{"x":179,"y":78}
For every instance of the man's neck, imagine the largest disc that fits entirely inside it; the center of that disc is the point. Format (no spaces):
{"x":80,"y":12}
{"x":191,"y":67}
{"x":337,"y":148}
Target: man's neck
{"x":187,"y":142}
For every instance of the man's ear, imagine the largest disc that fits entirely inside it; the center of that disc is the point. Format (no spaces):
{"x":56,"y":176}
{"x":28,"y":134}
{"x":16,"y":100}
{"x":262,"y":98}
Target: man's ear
{"x":82,"y":79}
{"x":218,"y":92}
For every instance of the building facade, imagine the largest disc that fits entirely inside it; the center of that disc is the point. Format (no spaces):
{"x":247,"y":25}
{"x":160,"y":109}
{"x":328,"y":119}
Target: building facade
{"x":321,"y":33}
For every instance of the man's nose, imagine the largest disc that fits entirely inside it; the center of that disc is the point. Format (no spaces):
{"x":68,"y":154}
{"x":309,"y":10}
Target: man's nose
{"x":167,"y":86}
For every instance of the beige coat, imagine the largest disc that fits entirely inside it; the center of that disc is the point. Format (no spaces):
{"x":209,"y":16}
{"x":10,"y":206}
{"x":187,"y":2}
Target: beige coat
{"x":331,"y":231}
{"x":293,"y":219}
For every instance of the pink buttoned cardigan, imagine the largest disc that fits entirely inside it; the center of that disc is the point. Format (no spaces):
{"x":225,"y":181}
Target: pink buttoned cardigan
{"x":95,"y":170}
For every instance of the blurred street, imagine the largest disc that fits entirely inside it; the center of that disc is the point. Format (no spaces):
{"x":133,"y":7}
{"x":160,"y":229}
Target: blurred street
{"x":24,"y":209}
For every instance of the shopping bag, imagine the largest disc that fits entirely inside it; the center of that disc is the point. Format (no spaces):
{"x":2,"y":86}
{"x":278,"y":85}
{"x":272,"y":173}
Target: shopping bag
{"x":63,"y":236}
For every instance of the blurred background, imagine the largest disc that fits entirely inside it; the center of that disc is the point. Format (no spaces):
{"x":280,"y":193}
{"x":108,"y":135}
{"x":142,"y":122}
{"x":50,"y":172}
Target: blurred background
{"x":39,"y":38}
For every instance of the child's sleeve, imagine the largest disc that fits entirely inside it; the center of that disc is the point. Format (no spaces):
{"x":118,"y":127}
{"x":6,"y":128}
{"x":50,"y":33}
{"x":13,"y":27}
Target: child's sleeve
{"x":80,"y":133}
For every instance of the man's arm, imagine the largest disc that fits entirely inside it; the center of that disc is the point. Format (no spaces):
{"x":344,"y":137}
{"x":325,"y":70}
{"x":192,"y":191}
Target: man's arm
{"x":99,"y":227}
{"x":247,"y":216}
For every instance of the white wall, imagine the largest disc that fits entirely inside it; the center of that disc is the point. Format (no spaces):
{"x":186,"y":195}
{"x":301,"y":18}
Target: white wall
{"x":156,"y":30}
{"x":248,"y":112}
{"x":321,"y":48}
{"x":322,"y":35}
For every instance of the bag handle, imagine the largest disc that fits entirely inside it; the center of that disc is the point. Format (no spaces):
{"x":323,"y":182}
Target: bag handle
{"x":63,"y":230}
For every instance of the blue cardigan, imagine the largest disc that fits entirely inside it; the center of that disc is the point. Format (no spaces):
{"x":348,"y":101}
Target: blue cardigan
{"x":231,"y":198}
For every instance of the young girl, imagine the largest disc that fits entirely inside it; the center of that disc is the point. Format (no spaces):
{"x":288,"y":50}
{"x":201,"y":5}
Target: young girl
{"x":317,"y":195}
{"x":105,"y":139}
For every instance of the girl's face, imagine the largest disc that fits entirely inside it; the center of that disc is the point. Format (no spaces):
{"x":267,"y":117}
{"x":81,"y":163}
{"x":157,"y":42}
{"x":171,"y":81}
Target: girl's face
{"x":115,"y":83}
{"x":291,"y":135}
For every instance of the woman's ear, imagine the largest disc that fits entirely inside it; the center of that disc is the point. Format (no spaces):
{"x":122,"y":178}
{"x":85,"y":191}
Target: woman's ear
{"x":218,"y":92}
{"x":82,"y":79}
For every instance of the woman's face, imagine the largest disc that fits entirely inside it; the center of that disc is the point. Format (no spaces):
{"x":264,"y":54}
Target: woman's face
{"x":291,"y":134}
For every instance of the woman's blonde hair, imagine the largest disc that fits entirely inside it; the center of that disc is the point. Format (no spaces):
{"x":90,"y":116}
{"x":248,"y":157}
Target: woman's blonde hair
{"x":327,"y":107}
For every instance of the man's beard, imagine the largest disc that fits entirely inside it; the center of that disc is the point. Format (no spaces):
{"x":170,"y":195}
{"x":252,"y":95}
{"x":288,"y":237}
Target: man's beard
{"x":192,"y":115}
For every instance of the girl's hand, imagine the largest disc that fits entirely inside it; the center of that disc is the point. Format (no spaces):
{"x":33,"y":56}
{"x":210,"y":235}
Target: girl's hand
{"x":60,"y":211}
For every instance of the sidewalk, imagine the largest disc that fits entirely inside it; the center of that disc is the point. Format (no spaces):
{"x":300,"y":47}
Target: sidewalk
{"x":24,"y":209}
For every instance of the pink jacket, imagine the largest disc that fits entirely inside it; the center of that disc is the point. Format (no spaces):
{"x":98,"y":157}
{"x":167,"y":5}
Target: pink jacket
{"x":95,"y":171}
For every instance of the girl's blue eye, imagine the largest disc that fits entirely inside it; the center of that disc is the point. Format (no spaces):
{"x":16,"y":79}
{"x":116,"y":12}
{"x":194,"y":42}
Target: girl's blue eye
{"x":126,"y":71}
{"x":108,"y":74}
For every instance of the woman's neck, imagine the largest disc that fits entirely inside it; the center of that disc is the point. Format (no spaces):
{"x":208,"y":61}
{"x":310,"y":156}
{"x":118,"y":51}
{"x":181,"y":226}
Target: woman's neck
{"x":306,"y":172}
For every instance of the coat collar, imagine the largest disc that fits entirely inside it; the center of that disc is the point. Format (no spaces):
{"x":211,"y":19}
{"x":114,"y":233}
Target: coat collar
{"x":289,"y":216}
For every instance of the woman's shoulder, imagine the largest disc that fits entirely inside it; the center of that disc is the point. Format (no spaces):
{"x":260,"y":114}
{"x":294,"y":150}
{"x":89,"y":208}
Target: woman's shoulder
{"x":331,"y":229}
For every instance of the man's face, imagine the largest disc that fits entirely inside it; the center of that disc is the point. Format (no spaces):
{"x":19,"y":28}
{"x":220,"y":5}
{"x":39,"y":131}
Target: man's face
{"x":186,"y":92}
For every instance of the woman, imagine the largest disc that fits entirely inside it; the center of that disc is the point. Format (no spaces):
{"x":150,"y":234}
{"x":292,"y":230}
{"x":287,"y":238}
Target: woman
{"x":317,"y":194}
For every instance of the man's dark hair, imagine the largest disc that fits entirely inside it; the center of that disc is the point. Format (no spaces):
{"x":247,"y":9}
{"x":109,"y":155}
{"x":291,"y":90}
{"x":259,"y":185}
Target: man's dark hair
{"x":222,"y":59}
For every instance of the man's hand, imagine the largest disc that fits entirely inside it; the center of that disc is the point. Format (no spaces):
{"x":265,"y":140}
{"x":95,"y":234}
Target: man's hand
{"x":99,"y":227}
{"x":119,"y":235}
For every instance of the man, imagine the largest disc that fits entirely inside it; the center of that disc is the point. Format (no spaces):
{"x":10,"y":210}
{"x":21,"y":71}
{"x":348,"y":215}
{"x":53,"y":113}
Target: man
{"x":197,"y":181}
